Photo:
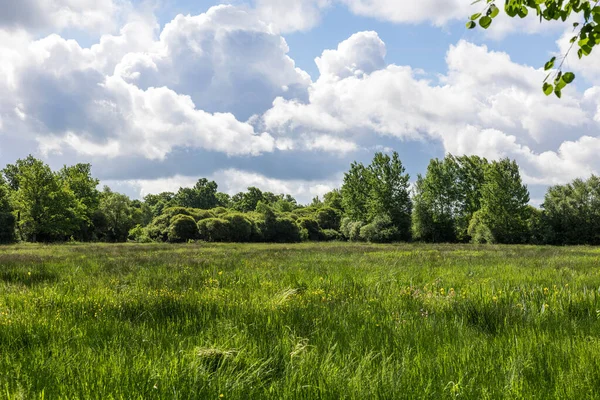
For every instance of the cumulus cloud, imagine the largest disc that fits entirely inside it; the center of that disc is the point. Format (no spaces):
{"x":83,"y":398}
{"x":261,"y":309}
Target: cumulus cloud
{"x":291,"y":16}
{"x":137,"y":93}
{"x":222,"y":83}
{"x":300,"y":15}
{"x":485,"y":104}
{"x":225,"y":59}
{"x":36,"y":15}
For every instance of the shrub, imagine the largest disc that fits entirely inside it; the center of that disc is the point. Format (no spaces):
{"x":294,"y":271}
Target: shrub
{"x":329,"y":218}
{"x":139,"y":235}
{"x":329,"y":235}
{"x":214,"y":230}
{"x":305,"y":212}
{"x":159,"y":228}
{"x":478,"y":230}
{"x":199,"y":215}
{"x":286,"y":231}
{"x":219,"y":211}
{"x":311,"y":228}
{"x":174,"y":211}
{"x":240,"y":227}
{"x":381,"y":230}
{"x":182,"y":229}
{"x":351,"y":229}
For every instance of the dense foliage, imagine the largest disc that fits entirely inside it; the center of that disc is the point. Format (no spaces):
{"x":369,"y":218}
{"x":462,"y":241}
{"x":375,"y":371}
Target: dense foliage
{"x":458,"y":200}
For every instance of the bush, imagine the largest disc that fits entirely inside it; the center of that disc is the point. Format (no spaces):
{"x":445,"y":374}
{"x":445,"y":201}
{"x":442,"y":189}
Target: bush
{"x":199,"y":215}
{"x":214,"y":230}
{"x":219,"y":211}
{"x":139,"y":235}
{"x":329,"y":218}
{"x":182,"y":229}
{"x":329,"y":235}
{"x":286,"y":231}
{"x":351,"y":229}
{"x":240,"y":227}
{"x":311,"y":228}
{"x":305,"y":212}
{"x":174,"y":211}
{"x":478,"y":230}
{"x":159,"y":228}
{"x":381,"y":230}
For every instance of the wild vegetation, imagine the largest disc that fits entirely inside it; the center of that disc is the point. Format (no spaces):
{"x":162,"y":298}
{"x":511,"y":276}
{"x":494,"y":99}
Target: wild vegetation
{"x":458,"y":200}
{"x":303,"y":321}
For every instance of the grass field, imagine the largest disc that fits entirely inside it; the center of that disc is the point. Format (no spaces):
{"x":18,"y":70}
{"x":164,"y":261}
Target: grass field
{"x":310,"y":321}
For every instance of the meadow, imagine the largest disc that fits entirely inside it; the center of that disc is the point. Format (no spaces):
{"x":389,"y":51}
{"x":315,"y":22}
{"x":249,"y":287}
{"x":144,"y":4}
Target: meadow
{"x":305,"y":321}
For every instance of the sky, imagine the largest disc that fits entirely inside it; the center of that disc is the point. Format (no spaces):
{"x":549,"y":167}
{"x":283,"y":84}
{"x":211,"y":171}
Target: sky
{"x":285,"y":95}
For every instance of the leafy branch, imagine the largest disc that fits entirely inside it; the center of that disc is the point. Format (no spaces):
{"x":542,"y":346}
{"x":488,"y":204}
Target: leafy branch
{"x":587,"y":33}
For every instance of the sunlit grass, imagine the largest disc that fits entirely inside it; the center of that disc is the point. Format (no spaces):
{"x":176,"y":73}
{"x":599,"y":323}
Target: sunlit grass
{"x":301,"y":321}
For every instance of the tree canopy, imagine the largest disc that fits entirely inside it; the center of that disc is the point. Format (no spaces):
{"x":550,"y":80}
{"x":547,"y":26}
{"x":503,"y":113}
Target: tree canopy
{"x":458,"y":200}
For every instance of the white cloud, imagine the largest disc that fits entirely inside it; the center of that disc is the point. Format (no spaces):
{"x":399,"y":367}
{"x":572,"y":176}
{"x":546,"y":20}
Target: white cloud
{"x":361,"y":54}
{"x":225,"y":59}
{"x":301,"y":15}
{"x":35,"y":15}
{"x":485,"y":104}
{"x":139,"y":94}
{"x":291,"y":16}
{"x":437,"y":11}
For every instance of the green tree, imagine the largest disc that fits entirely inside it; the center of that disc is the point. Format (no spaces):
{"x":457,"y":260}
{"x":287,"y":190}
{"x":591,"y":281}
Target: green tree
{"x":158,"y":202}
{"x":223,"y":200}
{"x":48,"y":209}
{"x":78,"y":179}
{"x":118,"y":215}
{"x":389,"y":192}
{"x":380,"y":189}
{"x":334,"y":200}
{"x":504,"y":202}
{"x":586,"y":31}
{"x":355,"y":192}
{"x":247,"y":201}
{"x":470,"y":175}
{"x":436,"y":202}
{"x":572,"y":212}
{"x":203,"y":195}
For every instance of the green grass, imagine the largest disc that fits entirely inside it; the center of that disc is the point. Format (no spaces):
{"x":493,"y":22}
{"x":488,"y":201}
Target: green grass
{"x":310,"y":321}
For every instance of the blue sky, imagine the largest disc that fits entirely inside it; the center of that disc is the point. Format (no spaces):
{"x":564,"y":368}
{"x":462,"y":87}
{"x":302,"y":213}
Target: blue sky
{"x":285,"y":95}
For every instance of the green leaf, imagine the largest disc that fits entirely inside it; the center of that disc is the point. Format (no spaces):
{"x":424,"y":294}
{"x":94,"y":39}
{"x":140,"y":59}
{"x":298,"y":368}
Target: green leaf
{"x":586,"y":50}
{"x":558,"y":93}
{"x":568,"y":77}
{"x":471,"y":25}
{"x":523,"y":11}
{"x":548,"y":89}
{"x":550,"y":64}
{"x":485,"y":22}
{"x":493,"y":11}
{"x":475,"y":16}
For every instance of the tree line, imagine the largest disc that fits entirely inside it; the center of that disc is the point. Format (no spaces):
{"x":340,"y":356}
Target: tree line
{"x":458,"y":200}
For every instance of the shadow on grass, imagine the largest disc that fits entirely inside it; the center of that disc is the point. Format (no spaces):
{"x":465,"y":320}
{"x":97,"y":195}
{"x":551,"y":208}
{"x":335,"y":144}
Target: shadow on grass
{"x":488,"y":318}
{"x":20,"y":276}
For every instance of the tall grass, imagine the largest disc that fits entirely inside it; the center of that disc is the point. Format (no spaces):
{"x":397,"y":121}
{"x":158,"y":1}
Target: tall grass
{"x":309,"y":321}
